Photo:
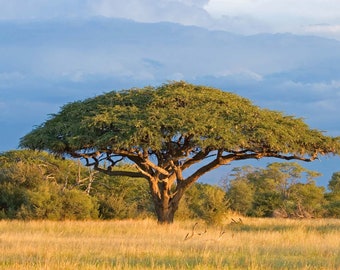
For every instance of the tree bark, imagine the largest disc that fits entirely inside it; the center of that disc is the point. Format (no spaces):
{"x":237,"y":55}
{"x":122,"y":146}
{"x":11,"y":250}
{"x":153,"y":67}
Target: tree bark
{"x":165,"y":202}
{"x":165,"y":215}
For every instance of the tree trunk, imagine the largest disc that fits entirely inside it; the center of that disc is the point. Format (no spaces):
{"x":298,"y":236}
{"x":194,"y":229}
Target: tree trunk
{"x":165,"y":202}
{"x":165,"y":211}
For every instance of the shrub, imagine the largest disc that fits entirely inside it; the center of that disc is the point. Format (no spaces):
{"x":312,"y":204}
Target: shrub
{"x":207,"y":202}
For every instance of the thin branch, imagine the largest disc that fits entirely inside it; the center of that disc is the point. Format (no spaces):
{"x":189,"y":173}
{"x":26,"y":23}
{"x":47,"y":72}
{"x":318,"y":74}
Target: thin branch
{"x":113,"y":163}
{"x":155,"y":167}
{"x":223,"y":160}
{"x":144,"y":173}
{"x":197,"y":158}
{"x":119,"y":173}
{"x":206,"y":168}
{"x":260,"y":155}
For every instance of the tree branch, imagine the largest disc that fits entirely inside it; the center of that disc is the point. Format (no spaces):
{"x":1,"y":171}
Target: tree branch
{"x":242,"y":156}
{"x":144,"y":173}
{"x":120,"y":173}
{"x":195,"y":159}
{"x":204,"y":169}
{"x":155,"y":167}
{"x":223,"y":160}
{"x":178,"y":171}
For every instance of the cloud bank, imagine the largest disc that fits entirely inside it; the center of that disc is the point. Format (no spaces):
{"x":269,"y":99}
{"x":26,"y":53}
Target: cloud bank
{"x":312,"y":17}
{"x":277,"y":16}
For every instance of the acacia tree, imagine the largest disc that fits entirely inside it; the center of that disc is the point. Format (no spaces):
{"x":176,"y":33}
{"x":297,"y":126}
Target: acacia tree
{"x":166,"y":130}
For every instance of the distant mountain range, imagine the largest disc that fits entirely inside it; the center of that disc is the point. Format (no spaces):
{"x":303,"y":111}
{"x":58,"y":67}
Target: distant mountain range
{"x":75,"y":59}
{"x":157,"y":51}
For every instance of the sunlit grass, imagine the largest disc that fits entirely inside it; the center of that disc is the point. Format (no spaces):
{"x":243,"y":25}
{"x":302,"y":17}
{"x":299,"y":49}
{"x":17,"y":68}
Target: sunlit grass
{"x":255,"y":244}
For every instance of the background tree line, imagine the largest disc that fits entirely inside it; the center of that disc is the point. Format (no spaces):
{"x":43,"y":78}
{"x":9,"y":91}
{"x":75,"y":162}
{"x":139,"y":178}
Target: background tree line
{"x":282,"y":190}
{"x":36,"y":185}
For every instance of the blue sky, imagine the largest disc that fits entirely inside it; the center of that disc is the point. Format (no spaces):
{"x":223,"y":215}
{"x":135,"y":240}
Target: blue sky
{"x":283,"y":55}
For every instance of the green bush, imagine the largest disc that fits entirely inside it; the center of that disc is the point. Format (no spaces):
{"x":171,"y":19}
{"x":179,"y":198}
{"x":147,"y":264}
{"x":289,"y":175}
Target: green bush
{"x":122,"y":197}
{"x":36,"y":185}
{"x":241,"y":195}
{"x":333,"y":204}
{"x":12,"y":198}
{"x":42,"y":202}
{"x":77,"y":205}
{"x":206,"y":202}
{"x":307,"y":200}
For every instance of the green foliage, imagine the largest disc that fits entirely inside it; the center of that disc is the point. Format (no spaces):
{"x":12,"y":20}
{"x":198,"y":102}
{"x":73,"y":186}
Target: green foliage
{"x":333,"y":206}
{"x":122,"y":197}
{"x":76,"y":205}
{"x":333,"y":197}
{"x":277,"y":190}
{"x":334,"y":183}
{"x":12,"y":198}
{"x":43,"y":202}
{"x":265,"y":203}
{"x":36,"y":185}
{"x":146,"y":117}
{"x":241,"y":195}
{"x":206,"y":202}
{"x":307,"y":200}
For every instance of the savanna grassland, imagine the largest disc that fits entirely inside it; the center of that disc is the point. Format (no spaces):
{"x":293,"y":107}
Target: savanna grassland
{"x":130,"y":244}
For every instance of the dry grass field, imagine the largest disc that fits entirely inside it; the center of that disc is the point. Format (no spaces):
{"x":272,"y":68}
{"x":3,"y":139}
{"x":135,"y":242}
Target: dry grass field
{"x":255,"y":244}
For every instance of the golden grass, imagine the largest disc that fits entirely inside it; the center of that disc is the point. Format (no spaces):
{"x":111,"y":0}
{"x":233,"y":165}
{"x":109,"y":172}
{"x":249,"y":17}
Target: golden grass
{"x":255,"y":244}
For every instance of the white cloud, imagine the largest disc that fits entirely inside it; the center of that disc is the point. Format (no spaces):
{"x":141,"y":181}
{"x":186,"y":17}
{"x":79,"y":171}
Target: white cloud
{"x":250,"y":16}
{"x":317,"y":17}
{"x":240,"y":75}
{"x":304,"y":9}
{"x":188,"y":12}
{"x":324,"y":30}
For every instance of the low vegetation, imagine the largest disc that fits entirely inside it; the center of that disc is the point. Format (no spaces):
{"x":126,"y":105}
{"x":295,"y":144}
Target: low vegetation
{"x":131,"y":244}
{"x":36,"y":185}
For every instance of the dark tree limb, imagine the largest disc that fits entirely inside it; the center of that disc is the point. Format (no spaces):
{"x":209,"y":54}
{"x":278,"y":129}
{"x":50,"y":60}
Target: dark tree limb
{"x":119,"y":173}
